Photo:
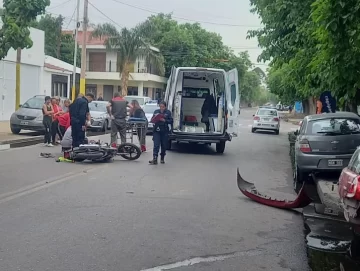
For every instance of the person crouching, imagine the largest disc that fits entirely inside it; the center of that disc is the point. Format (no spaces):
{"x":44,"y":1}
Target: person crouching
{"x":66,"y":143}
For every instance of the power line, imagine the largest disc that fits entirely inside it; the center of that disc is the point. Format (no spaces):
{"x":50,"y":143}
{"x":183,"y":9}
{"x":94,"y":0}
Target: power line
{"x":105,"y":15}
{"x":183,"y":18}
{"x":72,"y":16}
{"x":61,"y":4}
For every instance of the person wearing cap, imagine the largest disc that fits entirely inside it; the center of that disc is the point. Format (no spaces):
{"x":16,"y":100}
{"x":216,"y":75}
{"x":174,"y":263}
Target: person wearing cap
{"x":47,"y":111}
{"x":79,"y":113}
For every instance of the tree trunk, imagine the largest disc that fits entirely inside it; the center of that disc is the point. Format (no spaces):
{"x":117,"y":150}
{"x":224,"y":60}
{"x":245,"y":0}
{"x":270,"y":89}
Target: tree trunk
{"x":125,"y":80}
{"x":17,"y":79}
{"x":309,"y":106}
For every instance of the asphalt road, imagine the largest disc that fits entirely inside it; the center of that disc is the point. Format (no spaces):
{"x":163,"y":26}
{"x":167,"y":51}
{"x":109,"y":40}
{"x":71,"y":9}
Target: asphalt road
{"x":185,"y":215}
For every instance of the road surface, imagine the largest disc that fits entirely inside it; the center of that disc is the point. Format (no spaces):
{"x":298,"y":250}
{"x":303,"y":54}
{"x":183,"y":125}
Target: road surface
{"x":129,"y":216}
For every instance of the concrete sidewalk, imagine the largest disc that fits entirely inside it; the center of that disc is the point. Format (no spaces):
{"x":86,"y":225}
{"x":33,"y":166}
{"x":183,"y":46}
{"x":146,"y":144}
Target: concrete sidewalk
{"x":6,"y":136}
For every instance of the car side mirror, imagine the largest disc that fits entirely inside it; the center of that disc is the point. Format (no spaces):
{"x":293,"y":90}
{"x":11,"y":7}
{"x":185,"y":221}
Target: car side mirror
{"x":254,"y":115}
{"x":296,"y":132}
{"x":20,"y":105}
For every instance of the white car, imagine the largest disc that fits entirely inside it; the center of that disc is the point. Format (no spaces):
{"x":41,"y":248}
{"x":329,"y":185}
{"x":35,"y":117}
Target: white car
{"x":266,"y":119}
{"x":149,"y":112}
{"x":100,"y":119}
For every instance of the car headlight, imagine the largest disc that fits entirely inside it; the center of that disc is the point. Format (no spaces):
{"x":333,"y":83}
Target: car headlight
{"x":39,"y":118}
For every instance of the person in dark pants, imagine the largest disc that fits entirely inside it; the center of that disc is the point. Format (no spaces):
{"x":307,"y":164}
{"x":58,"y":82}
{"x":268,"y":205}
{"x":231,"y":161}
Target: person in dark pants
{"x":162,"y":119}
{"x":47,"y":111}
{"x":79,"y":113}
{"x":117,"y":109}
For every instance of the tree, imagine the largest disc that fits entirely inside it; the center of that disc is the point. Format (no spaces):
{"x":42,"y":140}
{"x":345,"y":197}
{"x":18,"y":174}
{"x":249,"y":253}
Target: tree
{"x":17,"y":17}
{"x":57,"y":44}
{"x":130,"y":45}
{"x":338,"y":59}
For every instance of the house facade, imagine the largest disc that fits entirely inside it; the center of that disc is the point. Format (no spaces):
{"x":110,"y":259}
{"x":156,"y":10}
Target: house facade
{"x":103,"y":77}
{"x":31,"y":71}
{"x":39,"y":75}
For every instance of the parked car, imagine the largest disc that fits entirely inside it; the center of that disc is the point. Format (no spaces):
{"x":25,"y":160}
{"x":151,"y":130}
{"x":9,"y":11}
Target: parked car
{"x":325,"y":143}
{"x":149,"y":112}
{"x":100,"y":119}
{"x":266,"y":119}
{"x":349,"y":188}
{"x":141,"y":99}
{"x":153,"y":102}
{"x":29,"y":116}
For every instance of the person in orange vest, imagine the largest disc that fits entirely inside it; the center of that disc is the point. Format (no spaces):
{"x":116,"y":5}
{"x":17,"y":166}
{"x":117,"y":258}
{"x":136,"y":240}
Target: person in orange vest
{"x":318,"y":107}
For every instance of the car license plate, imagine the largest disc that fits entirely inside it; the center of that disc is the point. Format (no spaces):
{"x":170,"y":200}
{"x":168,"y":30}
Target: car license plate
{"x":335,"y":163}
{"x":266,"y":119}
{"x":24,"y":122}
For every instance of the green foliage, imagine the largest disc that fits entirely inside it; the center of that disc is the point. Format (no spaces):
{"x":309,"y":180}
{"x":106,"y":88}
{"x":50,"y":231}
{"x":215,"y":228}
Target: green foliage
{"x":185,"y":45}
{"x":17,"y":17}
{"x":313,"y":46}
{"x":57,"y":44}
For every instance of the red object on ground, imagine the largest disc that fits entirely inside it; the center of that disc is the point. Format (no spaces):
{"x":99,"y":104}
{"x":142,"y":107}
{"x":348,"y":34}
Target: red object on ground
{"x":113,"y":145}
{"x":64,"y":120}
{"x":143,"y":148}
{"x":249,"y":190}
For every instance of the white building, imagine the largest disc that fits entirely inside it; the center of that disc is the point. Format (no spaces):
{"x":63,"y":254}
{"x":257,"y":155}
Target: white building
{"x":39,"y":75}
{"x":31,"y":71}
{"x":103,"y":78}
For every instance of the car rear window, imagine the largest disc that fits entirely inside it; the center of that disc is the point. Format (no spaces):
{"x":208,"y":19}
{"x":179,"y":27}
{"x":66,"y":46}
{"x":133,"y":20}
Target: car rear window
{"x":267,"y":112}
{"x":333,"y":126}
{"x":195,"y":92}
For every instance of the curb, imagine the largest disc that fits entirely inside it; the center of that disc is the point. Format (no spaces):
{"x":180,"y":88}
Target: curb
{"x":23,"y":142}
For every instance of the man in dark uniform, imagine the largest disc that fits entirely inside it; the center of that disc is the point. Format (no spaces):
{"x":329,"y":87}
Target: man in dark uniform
{"x":79,"y":113}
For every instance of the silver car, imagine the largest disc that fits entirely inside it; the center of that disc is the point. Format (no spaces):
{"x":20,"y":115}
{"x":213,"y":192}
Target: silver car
{"x":100,"y":119}
{"x":266,"y":119}
{"x":29,"y":116}
{"x":325,"y":143}
{"x":149,"y":112}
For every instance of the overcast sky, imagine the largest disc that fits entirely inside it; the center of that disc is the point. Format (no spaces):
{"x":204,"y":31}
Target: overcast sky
{"x":230,"y":18}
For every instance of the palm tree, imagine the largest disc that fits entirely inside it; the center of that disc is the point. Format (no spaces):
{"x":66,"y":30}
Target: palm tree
{"x":130,"y":44}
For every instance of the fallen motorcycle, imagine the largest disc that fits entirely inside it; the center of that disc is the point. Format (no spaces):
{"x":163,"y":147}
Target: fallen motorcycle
{"x":102,"y":152}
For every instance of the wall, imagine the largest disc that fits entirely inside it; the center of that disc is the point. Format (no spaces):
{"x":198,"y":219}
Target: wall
{"x":31,"y":74}
{"x":30,"y":85}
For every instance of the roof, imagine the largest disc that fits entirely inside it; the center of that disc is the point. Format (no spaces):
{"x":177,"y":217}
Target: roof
{"x":333,"y":115}
{"x":92,"y":40}
{"x":59,"y":65}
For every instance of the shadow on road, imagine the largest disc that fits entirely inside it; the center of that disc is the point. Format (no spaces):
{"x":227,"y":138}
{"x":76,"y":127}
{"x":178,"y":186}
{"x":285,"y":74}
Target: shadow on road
{"x":193,"y":148}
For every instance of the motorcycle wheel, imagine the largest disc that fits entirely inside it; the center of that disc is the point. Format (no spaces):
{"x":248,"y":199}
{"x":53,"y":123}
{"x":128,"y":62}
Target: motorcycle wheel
{"x":129,"y":151}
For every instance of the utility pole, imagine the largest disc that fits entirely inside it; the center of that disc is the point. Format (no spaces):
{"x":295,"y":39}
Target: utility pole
{"x":83,"y":48}
{"x":75,"y":51}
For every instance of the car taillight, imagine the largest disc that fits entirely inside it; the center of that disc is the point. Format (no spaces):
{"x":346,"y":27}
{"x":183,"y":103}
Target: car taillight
{"x":276,"y":119}
{"x":305,"y":146}
{"x":354,"y":189}
{"x":256,"y":118}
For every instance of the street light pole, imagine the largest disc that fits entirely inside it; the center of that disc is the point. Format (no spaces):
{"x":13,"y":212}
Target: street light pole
{"x":83,"y":48}
{"x":75,"y":50}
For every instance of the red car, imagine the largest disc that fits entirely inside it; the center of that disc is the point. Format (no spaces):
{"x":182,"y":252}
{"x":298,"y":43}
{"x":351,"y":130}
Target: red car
{"x":349,"y":189}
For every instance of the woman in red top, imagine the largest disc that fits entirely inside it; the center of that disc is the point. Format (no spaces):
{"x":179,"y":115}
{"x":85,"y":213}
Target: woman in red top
{"x":64,"y":123}
{"x":55,"y":124}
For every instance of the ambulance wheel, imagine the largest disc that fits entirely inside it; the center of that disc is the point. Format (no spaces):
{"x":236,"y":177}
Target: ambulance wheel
{"x":220,"y":147}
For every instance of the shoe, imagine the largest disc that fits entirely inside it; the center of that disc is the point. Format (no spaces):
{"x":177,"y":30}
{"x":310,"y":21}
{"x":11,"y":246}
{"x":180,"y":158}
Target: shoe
{"x":50,"y":145}
{"x":113,"y":145}
{"x":162,"y":160}
{"x":153,"y":161}
{"x":143,"y":148}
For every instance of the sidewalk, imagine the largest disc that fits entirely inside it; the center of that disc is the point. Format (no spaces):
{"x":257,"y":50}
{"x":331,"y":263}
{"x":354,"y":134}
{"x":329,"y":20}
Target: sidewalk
{"x":6,"y":136}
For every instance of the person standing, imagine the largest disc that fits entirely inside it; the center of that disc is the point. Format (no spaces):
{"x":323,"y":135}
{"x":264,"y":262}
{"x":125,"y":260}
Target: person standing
{"x":47,"y":111}
{"x":117,"y":109}
{"x":162,"y":119}
{"x":79,"y":114}
{"x":137,"y":112}
{"x":55,"y":123}
{"x":64,"y":123}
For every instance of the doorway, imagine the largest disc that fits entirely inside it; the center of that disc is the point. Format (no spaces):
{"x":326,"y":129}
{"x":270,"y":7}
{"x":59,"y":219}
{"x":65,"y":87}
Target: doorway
{"x":108,"y":92}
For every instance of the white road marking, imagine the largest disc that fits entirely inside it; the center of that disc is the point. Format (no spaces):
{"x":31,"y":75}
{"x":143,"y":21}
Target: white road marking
{"x":198,"y":260}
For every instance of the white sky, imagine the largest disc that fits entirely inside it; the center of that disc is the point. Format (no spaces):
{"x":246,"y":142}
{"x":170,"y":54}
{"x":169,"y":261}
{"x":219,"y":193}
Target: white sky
{"x":230,"y":18}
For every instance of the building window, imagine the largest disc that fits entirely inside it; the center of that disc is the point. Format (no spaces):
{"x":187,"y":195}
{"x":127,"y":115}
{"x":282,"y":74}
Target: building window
{"x":132,"y":91}
{"x":146,"y":92}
